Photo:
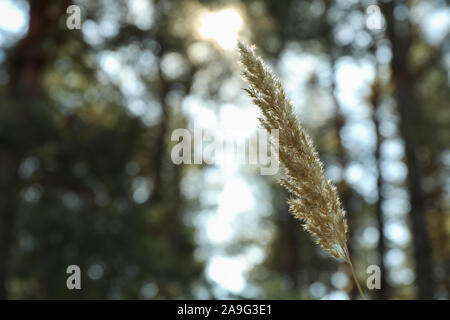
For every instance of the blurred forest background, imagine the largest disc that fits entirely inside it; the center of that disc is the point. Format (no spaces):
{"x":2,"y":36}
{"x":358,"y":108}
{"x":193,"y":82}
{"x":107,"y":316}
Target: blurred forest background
{"x":86,"y":176}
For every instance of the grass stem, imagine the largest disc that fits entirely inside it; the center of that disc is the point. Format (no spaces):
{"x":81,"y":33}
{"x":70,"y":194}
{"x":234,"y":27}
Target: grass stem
{"x":356,"y":279}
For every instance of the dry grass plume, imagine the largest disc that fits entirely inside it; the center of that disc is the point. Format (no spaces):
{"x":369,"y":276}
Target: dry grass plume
{"x":315,"y":200}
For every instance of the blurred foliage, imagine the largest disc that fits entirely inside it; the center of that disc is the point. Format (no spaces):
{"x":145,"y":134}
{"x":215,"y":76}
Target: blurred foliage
{"x":85,"y":173}
{"x":95,"y":185}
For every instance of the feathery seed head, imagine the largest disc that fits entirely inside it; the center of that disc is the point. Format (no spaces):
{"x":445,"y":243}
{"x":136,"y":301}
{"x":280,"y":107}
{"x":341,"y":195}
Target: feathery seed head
{"x":315,"y":200}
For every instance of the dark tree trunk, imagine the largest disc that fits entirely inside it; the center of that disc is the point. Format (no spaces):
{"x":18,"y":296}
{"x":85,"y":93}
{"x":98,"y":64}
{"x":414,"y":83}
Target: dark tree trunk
{"x":159,"y":155}
{"x":399,"y":34}
{"x":383,"y":293}
{"x":8,"y":203}
{"x":289,"y":237}
{"x":439,"y":238}
{"x":293,"y":253}
{"x":25,"y":64}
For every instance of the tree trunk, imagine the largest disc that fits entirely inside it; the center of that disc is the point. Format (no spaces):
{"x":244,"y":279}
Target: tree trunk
{"x":399,"y":34}
{"x":25,"y":64}
{"x":289,"y":238}
{"x":293,"y":247}
{"x":159,"y":155}
{"x":383,"y":293}
{"x":8,"y":203}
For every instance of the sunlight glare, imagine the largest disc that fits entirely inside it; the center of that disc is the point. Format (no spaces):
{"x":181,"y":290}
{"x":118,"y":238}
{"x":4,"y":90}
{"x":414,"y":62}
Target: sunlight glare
{"x":12,"y":17}
{"x":221,"y":26}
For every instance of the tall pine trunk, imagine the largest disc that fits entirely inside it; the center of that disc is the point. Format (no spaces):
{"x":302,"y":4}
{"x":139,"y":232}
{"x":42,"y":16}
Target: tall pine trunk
{"x":383,"y":293}
{"x":25,"y":64}
{"x":8,"y":203}
{"x":399,"y":34}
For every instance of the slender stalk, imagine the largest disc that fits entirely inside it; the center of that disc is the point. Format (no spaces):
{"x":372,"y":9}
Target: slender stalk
{"x":354,"y":276}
